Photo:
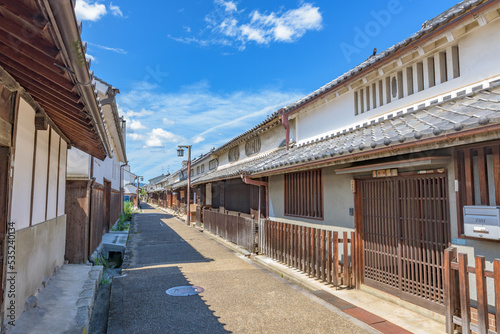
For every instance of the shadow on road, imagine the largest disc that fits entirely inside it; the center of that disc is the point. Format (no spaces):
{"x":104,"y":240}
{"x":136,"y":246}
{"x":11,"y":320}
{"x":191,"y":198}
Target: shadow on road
{"x":158,"y":253}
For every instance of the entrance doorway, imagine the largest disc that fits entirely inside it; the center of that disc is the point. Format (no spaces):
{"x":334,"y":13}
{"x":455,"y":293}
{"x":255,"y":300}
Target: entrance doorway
{"x":405,"y":230}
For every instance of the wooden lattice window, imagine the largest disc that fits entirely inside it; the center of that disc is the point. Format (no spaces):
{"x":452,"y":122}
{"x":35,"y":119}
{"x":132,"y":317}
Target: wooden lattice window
{"x":203,"y":168}
{"x":252,"y":146}
{"x":304,"y":194}
{"x":477,"y":169}
{"x":212,"y":164}
{"x":234,"y":154}
{"x":198,"y":170}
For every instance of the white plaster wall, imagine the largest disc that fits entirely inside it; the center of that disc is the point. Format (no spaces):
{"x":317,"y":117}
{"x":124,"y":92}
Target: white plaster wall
{"x":108,"y":169}
{"x":337,"y":199}
{"x":78,"y":164}
{"x":62,"y":179}
{"x":23,"y":166}
{"x":53,"y":176}
{"x":40,"y":186}
{"x":478,"y":50}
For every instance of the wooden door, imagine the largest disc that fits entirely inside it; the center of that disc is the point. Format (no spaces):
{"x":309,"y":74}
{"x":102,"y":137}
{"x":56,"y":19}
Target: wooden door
{"x":405,"y":230}
{"x":107,"y":204}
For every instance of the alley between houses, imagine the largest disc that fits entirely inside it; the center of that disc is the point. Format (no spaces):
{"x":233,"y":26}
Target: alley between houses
{"x":238,"y":296}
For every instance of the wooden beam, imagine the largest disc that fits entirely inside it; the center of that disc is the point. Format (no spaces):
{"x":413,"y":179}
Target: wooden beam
{"x":27,"y":14}
{"x":54,"y":79}
{"x":18,"y":47}
{"x":5,"y":133}
{"x":35,"y":38}
{"x":41,"y":122}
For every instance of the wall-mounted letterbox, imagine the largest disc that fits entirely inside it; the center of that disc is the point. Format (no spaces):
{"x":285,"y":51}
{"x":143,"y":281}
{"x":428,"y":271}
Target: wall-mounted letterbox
{"x":482,"y":222}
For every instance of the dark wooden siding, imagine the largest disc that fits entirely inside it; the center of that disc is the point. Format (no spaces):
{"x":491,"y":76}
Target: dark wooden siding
{"x":98,"y":224}
{"x":116,"y":200}
{"x":76,"y":206}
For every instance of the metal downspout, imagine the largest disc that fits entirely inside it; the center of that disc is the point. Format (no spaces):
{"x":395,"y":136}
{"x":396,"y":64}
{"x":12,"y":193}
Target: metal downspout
{"x":252,"y":182}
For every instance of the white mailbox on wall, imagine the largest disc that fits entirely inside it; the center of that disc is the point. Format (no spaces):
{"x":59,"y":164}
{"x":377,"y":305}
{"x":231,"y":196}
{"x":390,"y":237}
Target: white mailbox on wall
{"x":482,"y":222}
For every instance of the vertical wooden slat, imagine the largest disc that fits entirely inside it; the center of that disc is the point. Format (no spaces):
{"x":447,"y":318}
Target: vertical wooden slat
{"x":496,"y":280}
{"x":328,"y":252}
{"x":449,"y":279}
{"x":483,"y":176}
{"x":335,"y":249}
{"x":496,"y":173}
{"x":482,"y":295}
{"x":464,"y":293}
{"x":346,"y":259}
{"x":353,"y":256}
{"x":469,"y":185}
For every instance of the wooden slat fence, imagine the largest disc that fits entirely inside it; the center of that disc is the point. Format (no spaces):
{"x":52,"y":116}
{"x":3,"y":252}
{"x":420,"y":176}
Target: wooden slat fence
{"x":198,"y":215}
{"x":323,"y":254}
{"x":457,"y":294}
{"x":236,"y":227}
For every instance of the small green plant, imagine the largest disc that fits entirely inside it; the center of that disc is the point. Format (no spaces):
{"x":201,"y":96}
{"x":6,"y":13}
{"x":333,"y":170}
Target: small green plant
{"x":105,"y":280}
{"x":100,"y":261}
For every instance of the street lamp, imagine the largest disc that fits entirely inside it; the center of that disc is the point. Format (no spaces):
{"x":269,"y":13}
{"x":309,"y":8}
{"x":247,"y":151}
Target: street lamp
{"x":137,"y":177}
{"x":180,"y":153}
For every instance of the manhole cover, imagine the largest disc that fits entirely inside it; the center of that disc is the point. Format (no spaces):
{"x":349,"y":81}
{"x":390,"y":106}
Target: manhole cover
{"x":181,"y":291}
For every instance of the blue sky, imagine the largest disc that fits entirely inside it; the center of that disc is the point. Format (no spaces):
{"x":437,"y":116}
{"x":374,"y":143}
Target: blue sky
{"x":202,"y":72}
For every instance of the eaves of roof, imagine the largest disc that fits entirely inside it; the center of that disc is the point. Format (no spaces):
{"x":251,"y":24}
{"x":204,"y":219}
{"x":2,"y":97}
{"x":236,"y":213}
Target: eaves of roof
{"x":429,"y":29}
{"x":476,"y":112}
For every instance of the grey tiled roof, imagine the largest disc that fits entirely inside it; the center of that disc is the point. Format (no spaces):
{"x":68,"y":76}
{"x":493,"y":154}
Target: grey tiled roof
{"x":237,"y":168}
{"x":427,"y":27}
{"x":468,"y":112}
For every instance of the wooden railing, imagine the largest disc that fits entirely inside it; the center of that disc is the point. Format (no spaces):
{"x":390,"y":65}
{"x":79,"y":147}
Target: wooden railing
{"x":233,"y":226}
{"x":312,"y":250}
{"x":457,"y":294}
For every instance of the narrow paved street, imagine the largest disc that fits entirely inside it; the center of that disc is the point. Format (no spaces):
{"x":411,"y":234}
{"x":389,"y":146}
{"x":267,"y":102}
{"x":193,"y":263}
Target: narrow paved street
{"x":238,"y":296}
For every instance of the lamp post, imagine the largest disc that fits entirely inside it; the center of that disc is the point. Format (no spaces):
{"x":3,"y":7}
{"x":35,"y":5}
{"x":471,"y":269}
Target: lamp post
{"x":180,"y":153}
{"x":137,"y":198}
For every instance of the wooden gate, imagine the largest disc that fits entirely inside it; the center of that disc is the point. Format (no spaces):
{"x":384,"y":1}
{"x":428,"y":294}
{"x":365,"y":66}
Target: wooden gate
{"x":405,"y":230}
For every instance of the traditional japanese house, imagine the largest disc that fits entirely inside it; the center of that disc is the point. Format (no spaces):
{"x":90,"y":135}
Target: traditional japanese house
{"x":47,"y":105}
{"x":398,"y":157}
{"x":94,"y":195}
{"x":399,"y":150}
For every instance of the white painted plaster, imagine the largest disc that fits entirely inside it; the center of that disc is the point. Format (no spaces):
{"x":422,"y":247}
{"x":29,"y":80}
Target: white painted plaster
{"x":62,"y":179}
{"x":40,"y":187}
{"x":53,"y":175}
{"x":23,"y":166}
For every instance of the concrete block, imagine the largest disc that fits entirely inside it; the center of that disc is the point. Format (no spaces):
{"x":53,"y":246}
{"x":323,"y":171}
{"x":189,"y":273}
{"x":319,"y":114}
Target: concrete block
{"x":30,"y":303}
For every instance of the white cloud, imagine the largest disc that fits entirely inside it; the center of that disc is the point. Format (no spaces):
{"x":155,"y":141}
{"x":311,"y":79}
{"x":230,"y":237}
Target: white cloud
{"x":135,"y":136}
{"x":159,"y":137}
{"x":198,"y":139}
{"x":88,"y":56}
{"x":226,"y":26}
{"x":229,"y":6}
{"x":187,"y":28}
{"x":89,"y":10}
{"x":115,"y":10}
{"x":136,"y":125}
{"x":167,"y":121}
{"x":107,"y":48}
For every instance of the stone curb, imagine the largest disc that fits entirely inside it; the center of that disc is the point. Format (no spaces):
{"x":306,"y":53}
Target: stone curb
{"x":87,"y":296}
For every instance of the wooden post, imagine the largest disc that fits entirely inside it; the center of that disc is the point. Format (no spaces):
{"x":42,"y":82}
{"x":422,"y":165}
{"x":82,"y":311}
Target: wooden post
{"x":464,"y":293}
{"x":482,"y":295}
{"x":323,"y":255}
{"x":496,"y":280}
{"x":329,"y":257}
{"x":346,"y":259}
{"x":335,"y":273}
{"x":449,"y":287}
{"x":353,"y":259}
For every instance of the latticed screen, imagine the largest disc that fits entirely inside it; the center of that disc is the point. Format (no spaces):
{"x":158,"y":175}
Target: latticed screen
{"x":304,"y":194}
